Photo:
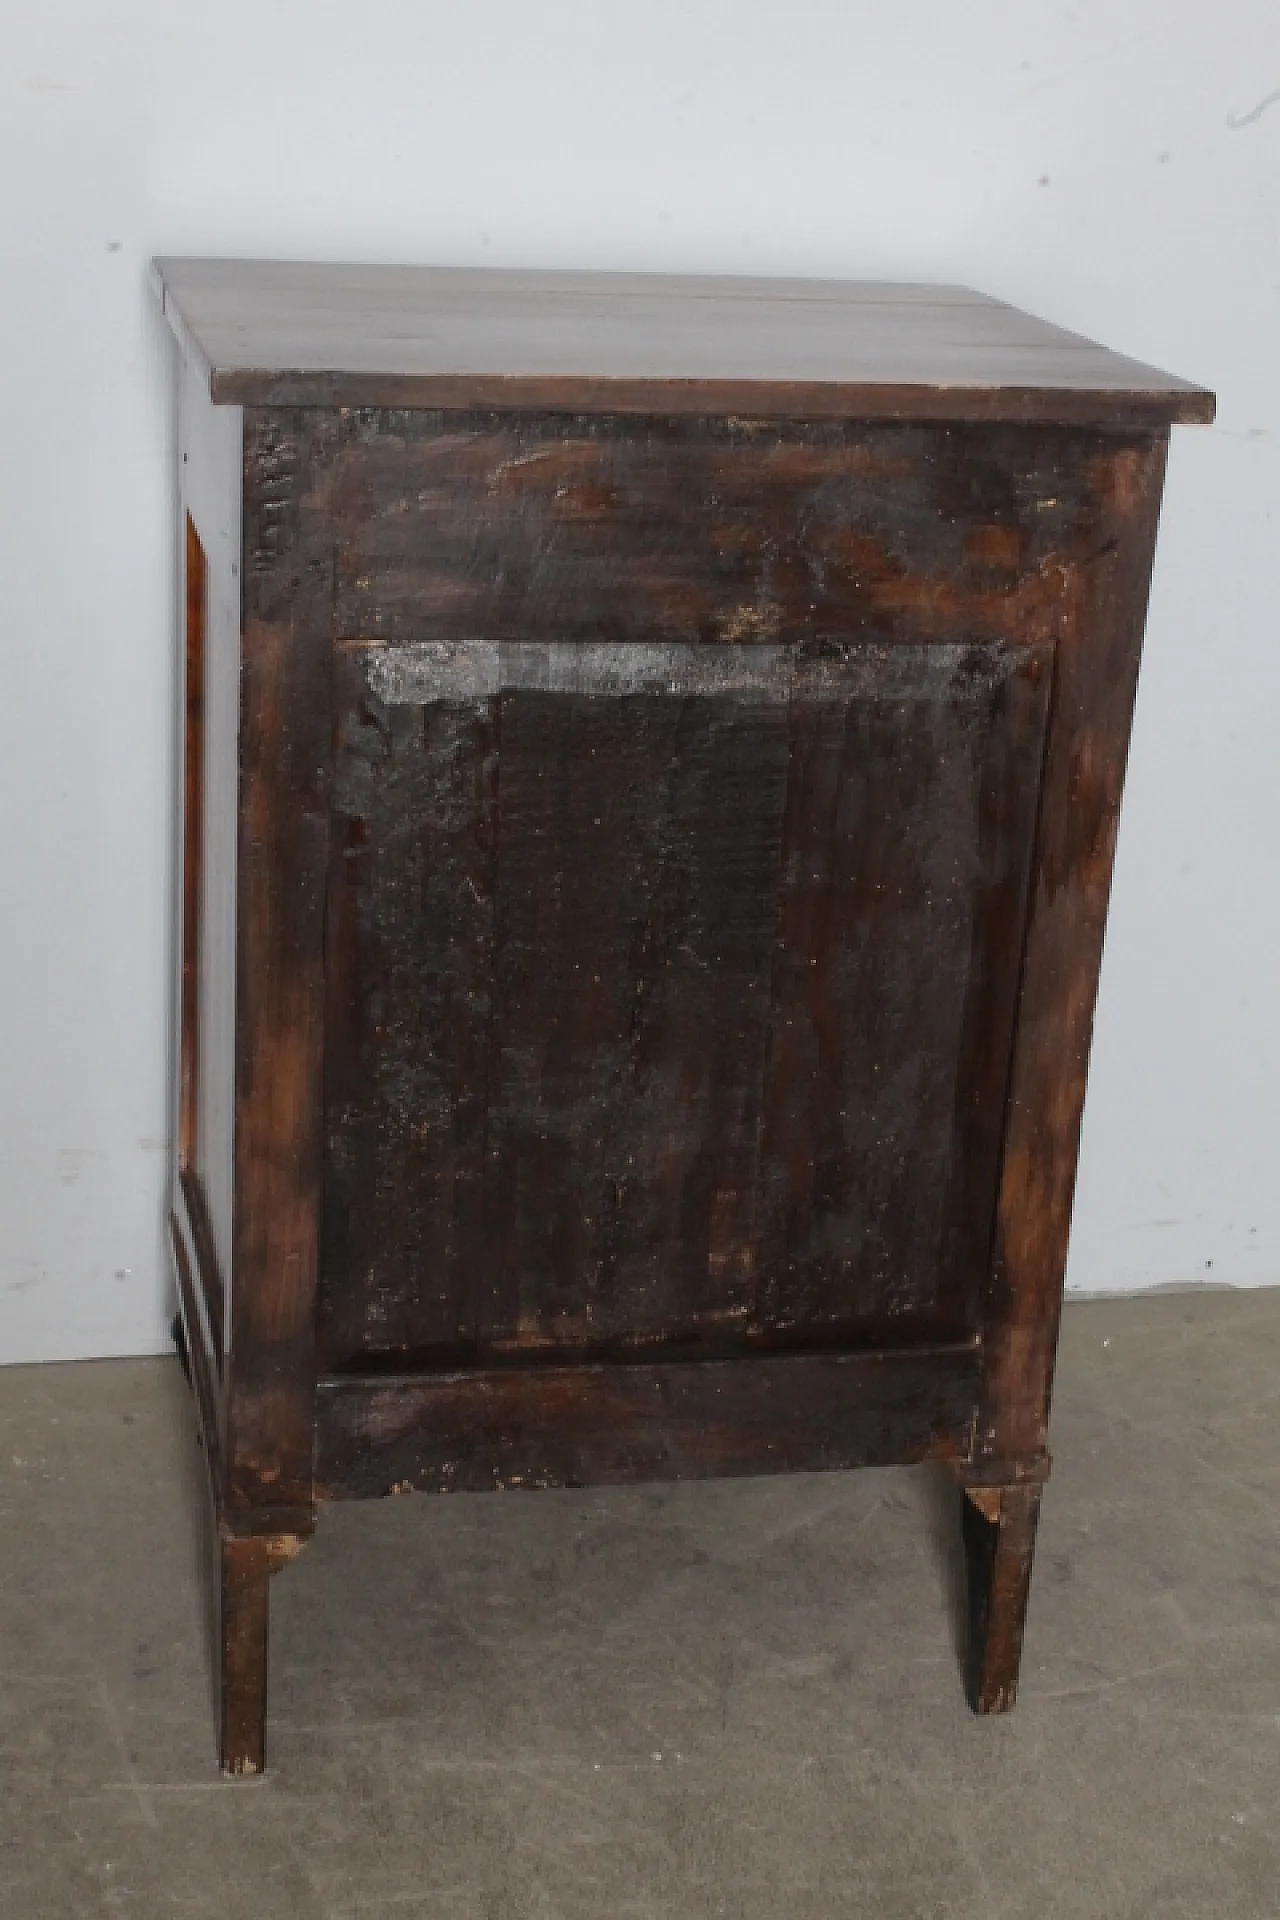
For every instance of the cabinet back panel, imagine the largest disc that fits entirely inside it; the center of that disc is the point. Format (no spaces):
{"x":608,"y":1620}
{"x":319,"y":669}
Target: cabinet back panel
{"x":671,"y":976}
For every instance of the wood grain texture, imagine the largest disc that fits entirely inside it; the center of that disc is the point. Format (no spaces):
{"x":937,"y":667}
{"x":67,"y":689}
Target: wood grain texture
{"x":466,"y":531}
{"x":637,"y":873}
{"x":406,"y":1085}
{"x":551,"y":1426}
{"x":671,"y":979}
{"x":285,"y":754}
{"x":654,"y":778}
{"x":999,"y":1526}
{"x":1102,"y":618}
{"x":911,"y":810}
{"x":295,"y":334}
{"x":245,"y":1569}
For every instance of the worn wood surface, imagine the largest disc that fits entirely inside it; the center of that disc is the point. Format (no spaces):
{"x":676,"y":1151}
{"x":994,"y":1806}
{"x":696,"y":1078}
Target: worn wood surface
{"x":280,"y":333}
{"x":671,"y":979}
{"x":911,"y":809}
{"x":556,"y":1426}
{"x":999,"y":1527}
{"x":1102,"y":616}
{"x":472,"y":532}
{"x":245,"y":1567}
{"x":285,"y":746}
{"x":649,"y":823}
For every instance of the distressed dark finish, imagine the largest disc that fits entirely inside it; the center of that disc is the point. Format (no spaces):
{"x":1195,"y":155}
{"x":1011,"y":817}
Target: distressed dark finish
{"x":688,"y":855}
{"x":1097,"y":675}
{"x":585,"y":1425}
{"x":910,"y":819}
{"x":476,"y":531}
{"x":999,"y":1527}
{"x":245,"y":1566}
{"x":285,"y":742}
{"x":273,"y":333}
{"x":648,"y":836}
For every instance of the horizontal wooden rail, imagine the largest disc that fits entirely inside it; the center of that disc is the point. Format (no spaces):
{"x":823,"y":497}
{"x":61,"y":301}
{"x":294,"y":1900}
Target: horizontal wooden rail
{"x":580,"y":1425}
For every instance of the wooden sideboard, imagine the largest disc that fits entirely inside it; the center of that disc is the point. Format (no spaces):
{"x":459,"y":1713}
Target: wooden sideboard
{"x":653,"y":756}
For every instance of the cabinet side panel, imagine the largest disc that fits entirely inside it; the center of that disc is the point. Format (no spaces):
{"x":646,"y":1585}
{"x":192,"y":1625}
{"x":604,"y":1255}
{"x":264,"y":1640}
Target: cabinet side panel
{"x":209,"y":491}
{"x":1103,"y":613}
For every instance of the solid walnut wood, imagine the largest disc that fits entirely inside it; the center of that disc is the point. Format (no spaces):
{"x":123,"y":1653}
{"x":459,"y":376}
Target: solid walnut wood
{"x":654,"y":755}
{"x":603,"y":1424}
{"x":679,"y":888}
{"x":285,"y":733}
{"x":999,"y":1526}
{"x":245,"y":1569}
{"x":296,"y":334}
{"x":1097,"y":674}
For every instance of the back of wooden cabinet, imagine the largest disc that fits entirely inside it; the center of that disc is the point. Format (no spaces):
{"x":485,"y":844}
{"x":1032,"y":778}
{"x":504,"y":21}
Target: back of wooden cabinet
{"x":685,"y":787}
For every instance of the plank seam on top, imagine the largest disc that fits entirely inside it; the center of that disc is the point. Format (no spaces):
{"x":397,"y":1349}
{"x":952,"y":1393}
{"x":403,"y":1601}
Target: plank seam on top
{"x":299,"y":334}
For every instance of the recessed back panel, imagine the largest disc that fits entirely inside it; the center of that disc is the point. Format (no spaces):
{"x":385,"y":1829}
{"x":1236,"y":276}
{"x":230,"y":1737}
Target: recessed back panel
{"x":672,"y":971}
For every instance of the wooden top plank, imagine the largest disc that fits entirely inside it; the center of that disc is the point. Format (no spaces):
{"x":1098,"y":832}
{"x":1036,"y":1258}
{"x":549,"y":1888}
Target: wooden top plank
{"x":274,"y":333}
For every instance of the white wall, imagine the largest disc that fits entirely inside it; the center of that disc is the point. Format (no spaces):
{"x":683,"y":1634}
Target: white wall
{"x":1111,"y":164}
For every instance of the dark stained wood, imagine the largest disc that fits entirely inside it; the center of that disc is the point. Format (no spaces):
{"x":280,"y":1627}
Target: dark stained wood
{"x":1102,"y":615}
{"x":285,"y":751}
{"x":628,"y":939}
{"x":654,"y":758}
{"x":245,"y":1568}
{"x":911,"y":808}
{"x":475,"y":532}
{"x":196,"y":579}
{"x":297,"y":334}
{"x":408,"y":1024}
{"x":639,"y":841}
{"x":999,"y":1525}
{"x":1033,"y":1470}
{"x":549,"y":1426}
{"x":659,"y":969}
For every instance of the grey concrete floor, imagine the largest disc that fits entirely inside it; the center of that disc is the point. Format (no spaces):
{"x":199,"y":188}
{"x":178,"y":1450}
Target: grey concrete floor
{"x":729,"y":1699}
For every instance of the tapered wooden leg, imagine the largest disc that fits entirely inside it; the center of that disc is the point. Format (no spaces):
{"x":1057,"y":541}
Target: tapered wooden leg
{"x":999,"y":1540}
{"x":246,"y":1566}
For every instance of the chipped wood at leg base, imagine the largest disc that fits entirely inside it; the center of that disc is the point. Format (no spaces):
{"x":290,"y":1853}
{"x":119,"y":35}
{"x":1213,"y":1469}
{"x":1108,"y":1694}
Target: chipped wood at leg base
{"x":999,"y":1540}
{"x":246,"y":1566}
